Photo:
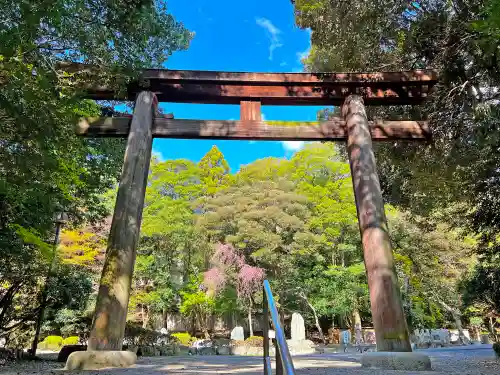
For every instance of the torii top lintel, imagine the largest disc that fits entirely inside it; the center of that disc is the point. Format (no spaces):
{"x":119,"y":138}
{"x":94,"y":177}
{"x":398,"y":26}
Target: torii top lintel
{"x":211,"y":87}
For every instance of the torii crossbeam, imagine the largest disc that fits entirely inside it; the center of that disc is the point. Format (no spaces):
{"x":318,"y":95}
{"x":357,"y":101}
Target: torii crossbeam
{"x":251,"y":90}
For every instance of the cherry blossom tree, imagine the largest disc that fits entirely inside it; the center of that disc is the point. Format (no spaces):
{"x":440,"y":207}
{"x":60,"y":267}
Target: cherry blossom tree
{"x":229,"y":267}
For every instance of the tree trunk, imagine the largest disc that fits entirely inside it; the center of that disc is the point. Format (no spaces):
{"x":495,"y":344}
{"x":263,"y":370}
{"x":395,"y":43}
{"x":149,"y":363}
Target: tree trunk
{"x":145,"y":316}
{"x":458,"y":322}
{"x":164,"y":316}
{"x":7,"y":301}
{"x":316,"y":320}
{"x":387,"y":309}
{"x":356,"y":317}
{"x":204,"y":327}
{"x":491,"y":328}
{"x":457,"y":317}
{"x":250,"y":325}
{"x":335,"y":247}
{"x":108,"y":325}
{"x":193,"y":326}
{"x":358,"y":333}
{"x":45,"y":291}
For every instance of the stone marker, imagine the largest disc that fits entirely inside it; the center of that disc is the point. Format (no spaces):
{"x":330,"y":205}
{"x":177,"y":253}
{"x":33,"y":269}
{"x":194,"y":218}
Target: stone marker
{"x":237,"y":334}
{"x":345,"y":337}
{"x":298,"y":327}
{"x":298,"y":343}
{"x":455,"y":336}
{"x":95,"y":360}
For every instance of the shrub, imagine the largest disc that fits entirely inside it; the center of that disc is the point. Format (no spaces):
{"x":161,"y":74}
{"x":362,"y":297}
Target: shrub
{"x":136,"y":335}
{"x":52,"y":343}
{"x":72,"y":340}
{"x":255,"y":341}
{"x":496,"y":348}
{"x":184,"y":338}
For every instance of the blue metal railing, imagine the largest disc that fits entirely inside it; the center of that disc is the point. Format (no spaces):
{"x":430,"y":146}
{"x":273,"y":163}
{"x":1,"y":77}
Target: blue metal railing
{"x":284,"y":363}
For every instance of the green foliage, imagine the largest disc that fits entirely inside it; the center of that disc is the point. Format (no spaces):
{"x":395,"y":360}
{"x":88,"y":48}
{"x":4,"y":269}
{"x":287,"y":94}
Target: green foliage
{"x":482,"y":286}
{"x":213,"y":171}
{"x":196,"y":303}
{"x":137,"y":335}
{"x":184,"y":338}
{"x":70,"y":322}
{"x":53,"y":343}
{"x":44,"y":166}
{"x":455,"y":178}
{"x":72,"y":340}
{"x":31,"y":237}
{"x":83,"y":246}
{"x":295,"y":219}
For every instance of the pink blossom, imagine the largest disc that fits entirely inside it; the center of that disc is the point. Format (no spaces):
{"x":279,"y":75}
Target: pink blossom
{"x":249,"y":280}
{"x":227,"y":256}
{"x":214,"y":279}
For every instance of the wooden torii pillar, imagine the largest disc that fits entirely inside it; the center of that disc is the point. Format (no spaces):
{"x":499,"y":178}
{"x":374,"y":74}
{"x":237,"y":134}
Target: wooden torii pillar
{"x":250,"y":90}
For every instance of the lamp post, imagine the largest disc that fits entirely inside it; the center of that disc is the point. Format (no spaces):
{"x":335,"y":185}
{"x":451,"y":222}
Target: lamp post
{"x":60,"y":220}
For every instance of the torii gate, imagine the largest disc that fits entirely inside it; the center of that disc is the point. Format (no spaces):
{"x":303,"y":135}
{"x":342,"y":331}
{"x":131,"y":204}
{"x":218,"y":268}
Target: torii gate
{"x":251,"y":90}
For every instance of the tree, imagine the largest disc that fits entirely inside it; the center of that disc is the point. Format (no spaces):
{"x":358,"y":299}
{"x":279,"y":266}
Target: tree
{"x":260,"y":219}
{"x":197,"y":304}
{"x":170,"y":248}
{"x":214,"y":171}
{"x":433,"y":264}
{"x":230,"y":270}
{"x":455,"y":178}
{"x":44,"y":167}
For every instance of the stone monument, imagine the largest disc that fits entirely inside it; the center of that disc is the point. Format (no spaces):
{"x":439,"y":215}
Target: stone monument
{"x":237,"y":334}
{"x":272,"y":334}
{"x":298,"y":327}
{"x":298,"y":344}
{"x":345,"y":337}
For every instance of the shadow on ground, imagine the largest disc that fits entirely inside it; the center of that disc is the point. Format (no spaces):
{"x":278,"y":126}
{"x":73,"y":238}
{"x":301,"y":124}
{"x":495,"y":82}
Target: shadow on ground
{"x":471,"y":362}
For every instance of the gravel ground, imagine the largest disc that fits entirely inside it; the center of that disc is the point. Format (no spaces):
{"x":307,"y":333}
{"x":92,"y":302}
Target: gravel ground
{"x":473,"y":361}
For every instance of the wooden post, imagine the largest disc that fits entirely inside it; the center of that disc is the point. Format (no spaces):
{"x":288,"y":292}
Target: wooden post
{"x":250,"y":111}
{"x":110,"y":315}
{"x":387,"y":311}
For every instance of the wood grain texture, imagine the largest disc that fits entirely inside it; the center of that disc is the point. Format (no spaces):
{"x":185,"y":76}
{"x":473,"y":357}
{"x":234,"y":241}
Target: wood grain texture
{"x":110,"y":315}
{"x":211,"y":87}
{"x":423,"y":75}
{"x":254,"y":130}
{"x":391,"y":331}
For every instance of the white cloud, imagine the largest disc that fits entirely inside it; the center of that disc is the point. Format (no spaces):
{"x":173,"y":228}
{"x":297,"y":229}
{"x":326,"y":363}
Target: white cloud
{"x":283,"y":63}
{"x":293,"y":145}
{"x":262,"y":116}
{"x":301,"y":55}
{"x":273,"y":34}
{"x":158,"y":155}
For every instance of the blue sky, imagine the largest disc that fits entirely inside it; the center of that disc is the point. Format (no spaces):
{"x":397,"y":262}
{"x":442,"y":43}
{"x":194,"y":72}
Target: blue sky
{"x":231,"y":35}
